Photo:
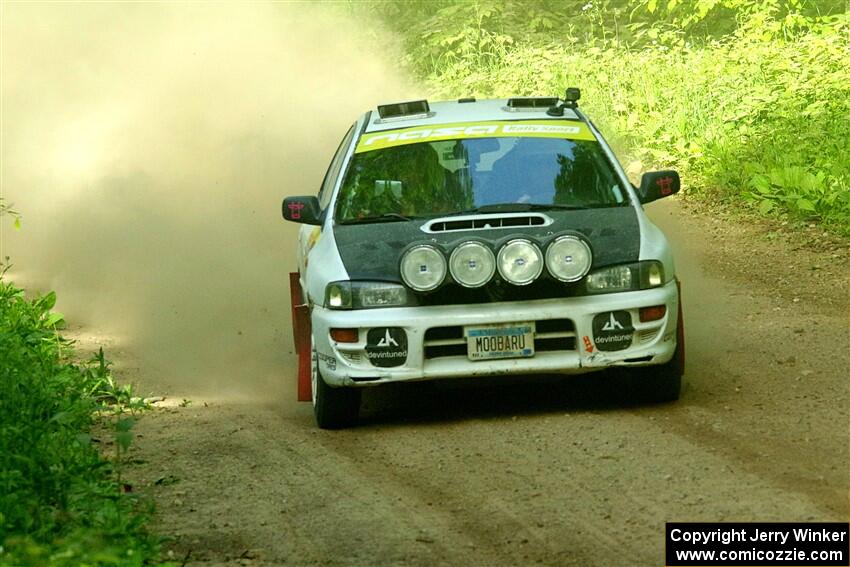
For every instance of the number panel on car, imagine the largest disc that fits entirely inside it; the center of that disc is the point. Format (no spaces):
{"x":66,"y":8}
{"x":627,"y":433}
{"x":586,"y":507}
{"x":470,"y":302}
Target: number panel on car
{"x":511,"y":340}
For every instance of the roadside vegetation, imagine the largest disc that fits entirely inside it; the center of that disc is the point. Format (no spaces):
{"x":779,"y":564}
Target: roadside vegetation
{"x":62,"y":502}
{"x":749,"y":99}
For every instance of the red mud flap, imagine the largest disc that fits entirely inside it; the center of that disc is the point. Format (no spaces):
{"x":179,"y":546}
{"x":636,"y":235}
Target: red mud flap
{"x":680,"y":332}
{"x":301,"y":335}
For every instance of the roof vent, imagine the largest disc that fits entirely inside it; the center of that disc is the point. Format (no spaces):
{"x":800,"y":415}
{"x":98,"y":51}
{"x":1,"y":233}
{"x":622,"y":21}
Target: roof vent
{"x":399,"y":109}
{"x":532,"y":102}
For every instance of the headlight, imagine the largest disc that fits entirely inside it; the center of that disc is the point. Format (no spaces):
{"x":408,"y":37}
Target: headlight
{"x":568,"y":258}
{"x":520,"y":262}
{"x":338,"y":295}
{"x":472,"y":264}
{"x":615,"y":278}
{"x":651,"y":274}
{"x":365,"y":295}
{"x":625,"y":277}
{"x":423,"y":268}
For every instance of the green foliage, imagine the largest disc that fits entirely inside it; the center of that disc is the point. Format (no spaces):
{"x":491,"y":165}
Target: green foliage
{"x":9,"y":211}
{"x":700,"y":21}
{"x":748,"y":98}
{"x":60,"y":503}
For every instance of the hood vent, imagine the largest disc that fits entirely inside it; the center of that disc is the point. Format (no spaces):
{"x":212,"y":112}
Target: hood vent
{"x":485,"y":222}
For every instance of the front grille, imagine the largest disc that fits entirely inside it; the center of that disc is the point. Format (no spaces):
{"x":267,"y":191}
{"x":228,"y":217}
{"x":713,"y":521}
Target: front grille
{"x":542,"y":345}
{"x":550,"y":335}
{"x":444,"y":341}
{"x":439,"y":351}
{"x":444,"y":333}
{"x":554,"y":334}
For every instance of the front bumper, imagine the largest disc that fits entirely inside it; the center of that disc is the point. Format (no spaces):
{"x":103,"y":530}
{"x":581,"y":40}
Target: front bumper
{"x":570,"y":349}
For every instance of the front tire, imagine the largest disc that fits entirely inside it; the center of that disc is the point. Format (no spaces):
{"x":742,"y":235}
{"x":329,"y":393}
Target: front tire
{"x":334,"y":408}
{"x":663,"y":383}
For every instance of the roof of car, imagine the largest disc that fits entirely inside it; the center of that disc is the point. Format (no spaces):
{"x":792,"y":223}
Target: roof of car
{"x":449,"y":112}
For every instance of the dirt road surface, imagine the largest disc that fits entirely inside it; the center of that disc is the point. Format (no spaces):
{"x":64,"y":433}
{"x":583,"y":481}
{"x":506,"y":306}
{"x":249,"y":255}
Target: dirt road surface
{"x":534,"y":471}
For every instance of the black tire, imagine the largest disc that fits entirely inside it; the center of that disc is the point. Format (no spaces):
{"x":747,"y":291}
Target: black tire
{"x":335,"y":408}
{"x":661,"y":383}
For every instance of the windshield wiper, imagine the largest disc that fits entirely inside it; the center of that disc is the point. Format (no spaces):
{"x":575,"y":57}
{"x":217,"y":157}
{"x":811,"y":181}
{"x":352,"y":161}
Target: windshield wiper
{"x":386,"y":217}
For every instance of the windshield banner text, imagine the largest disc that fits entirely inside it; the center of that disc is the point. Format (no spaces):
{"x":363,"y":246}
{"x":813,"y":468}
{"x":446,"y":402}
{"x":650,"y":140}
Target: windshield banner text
{"x":571,"y":130}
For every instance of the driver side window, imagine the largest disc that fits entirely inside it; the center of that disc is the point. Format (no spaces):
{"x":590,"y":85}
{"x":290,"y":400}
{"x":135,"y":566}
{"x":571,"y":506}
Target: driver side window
{"x":332,"y":174}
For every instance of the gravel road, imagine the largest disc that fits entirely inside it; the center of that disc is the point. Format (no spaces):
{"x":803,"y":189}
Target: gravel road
{"x":537,"y":471}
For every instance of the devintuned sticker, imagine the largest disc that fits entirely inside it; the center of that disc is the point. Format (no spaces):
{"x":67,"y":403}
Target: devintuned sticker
{"x":613,"y":330}
{"x":386,"y":346}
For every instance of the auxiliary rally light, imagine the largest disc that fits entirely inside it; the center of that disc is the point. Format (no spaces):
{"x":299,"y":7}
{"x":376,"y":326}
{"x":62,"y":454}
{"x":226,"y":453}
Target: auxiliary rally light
{"x":520,"y":261}
{"x":423,"y":268}
{"x":472,"y":264}
{"x":568,"y":258}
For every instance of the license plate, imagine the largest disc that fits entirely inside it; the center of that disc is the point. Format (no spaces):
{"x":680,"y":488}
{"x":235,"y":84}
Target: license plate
{"x":512,"y":340}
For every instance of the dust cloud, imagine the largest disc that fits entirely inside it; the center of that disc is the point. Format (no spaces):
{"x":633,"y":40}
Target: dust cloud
{"x":148,"y":147}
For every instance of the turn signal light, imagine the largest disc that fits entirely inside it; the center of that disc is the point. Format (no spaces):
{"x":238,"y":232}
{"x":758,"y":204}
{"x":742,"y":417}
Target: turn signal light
{"x":653,"y":313}
{"x":345,"y":335}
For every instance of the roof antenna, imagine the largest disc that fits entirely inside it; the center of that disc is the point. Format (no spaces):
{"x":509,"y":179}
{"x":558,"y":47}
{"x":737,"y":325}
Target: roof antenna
{"x":571,"y":97}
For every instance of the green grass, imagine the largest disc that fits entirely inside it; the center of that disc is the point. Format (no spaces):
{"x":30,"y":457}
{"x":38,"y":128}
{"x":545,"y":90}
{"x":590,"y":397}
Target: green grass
{"x":759,"y":116}
{"x":61,"y":501}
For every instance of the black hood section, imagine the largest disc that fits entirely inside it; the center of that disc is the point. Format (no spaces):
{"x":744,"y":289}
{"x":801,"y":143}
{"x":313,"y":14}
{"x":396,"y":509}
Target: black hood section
{"x":372,"y":251}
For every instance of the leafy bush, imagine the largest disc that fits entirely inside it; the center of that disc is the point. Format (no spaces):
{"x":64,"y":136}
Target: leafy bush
{"x":60,"y":503}
{"x":748,"y":98}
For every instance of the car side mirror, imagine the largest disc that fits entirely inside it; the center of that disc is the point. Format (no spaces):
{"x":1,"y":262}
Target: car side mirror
{"x":302,"y":209}
{"x":657,"y":184}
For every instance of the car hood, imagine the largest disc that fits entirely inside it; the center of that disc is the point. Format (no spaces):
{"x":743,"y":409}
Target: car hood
{"x":372,"y":251}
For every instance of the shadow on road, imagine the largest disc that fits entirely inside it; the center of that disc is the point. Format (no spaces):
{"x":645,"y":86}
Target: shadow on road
{"x":496,"y":397}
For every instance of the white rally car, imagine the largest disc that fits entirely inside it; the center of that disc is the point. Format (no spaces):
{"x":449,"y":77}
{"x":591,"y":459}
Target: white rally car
{"x":480,"y":237}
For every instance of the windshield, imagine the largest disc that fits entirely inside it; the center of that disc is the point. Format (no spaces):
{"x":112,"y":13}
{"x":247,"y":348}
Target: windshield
{"x":436,"y":178}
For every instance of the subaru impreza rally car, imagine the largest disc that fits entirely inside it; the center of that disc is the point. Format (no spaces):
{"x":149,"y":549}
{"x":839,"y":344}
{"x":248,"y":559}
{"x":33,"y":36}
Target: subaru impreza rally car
{"x":475,"y":238}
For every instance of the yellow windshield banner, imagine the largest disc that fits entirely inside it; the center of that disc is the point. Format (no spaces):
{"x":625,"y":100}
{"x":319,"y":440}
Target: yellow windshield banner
{"x":571,"y":130}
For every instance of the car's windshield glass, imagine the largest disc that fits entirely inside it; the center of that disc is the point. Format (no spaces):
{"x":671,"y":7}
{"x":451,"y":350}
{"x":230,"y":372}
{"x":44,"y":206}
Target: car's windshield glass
{"x":436,"y":178}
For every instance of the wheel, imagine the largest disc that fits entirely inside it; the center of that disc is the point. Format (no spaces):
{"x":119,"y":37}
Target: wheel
{"x":663,"y":383}
{"x":334,"y":408}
